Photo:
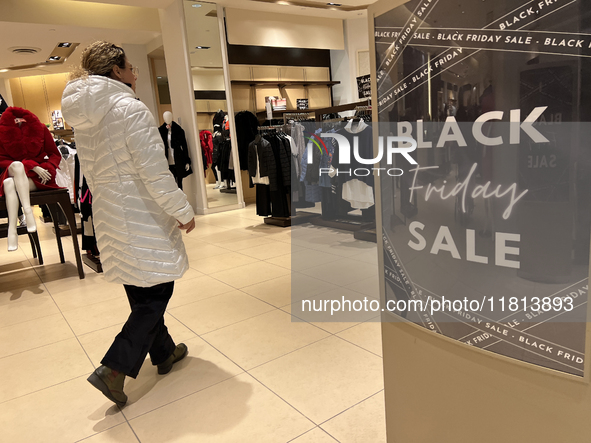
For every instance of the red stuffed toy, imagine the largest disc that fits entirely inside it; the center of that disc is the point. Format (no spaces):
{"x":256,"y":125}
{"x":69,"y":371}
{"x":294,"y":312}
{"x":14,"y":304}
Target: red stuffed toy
{"x":24,"y":138}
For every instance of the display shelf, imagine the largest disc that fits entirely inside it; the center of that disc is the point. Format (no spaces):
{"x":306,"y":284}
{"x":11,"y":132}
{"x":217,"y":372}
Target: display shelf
{"x":286,"y":111}
{"x":62,"y":132}
{"x":282,"y":222}
{"x":93,"y":263}
{"x":282,"y":84}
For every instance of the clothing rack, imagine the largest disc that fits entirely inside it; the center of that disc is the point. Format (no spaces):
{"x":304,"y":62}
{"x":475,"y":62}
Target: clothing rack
{"x":297,"y":116}
{"x":265,"y":128}
{"x":348,"y":222}
{"x":336,"y":109}
{"x":283,"y":222}
{"x":362,"y":110}
{"x":334,"y":120}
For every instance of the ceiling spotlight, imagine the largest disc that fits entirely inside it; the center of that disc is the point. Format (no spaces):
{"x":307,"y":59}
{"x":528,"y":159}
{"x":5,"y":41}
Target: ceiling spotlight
{"x":64,"y":45}
{"x":196,"y":5}
{"x":54,"y":58}
{"x":202,"y":47}
{"x":284,"y":3}
{"x":4,"y":70}
{"x":334,"y":4}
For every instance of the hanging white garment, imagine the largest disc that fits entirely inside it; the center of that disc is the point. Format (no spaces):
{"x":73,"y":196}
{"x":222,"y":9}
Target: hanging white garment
{"x":358,"y":193}
{"x":64,"y":176}
{"x":257,"y":179}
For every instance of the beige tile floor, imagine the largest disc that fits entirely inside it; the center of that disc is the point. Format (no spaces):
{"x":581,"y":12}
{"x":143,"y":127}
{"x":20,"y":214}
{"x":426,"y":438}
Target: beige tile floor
{"x":252,"y":374}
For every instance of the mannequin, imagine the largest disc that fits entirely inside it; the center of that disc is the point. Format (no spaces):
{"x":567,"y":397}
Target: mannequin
{"x":24,"y":145}
{"x":175,"y":148}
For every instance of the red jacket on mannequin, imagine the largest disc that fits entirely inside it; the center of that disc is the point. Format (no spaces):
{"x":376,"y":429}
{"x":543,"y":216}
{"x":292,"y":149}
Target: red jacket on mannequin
{"x":24,"y":138}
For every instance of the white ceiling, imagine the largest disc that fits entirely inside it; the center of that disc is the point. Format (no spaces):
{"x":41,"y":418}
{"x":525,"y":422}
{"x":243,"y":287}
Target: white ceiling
{"x":257,"y":6}
{"x":289,"y":9}
{"x":46,"y":37}
{"x":43,"y":24}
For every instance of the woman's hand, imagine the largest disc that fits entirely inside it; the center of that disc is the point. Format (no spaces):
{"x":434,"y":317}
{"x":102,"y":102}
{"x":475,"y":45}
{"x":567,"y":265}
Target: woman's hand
{"x":187,"y":226}
{"x":43,"y":174}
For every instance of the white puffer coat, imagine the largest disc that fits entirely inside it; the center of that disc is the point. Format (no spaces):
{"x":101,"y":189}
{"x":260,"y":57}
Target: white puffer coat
{"x":136,"y":202}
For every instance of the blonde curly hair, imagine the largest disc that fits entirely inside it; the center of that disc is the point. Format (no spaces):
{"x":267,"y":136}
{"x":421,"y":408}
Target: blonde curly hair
{"x":99,"y":59}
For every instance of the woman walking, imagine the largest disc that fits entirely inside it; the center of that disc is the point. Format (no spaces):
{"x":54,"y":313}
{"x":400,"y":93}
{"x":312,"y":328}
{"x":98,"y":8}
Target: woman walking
{"x":138,"y":210}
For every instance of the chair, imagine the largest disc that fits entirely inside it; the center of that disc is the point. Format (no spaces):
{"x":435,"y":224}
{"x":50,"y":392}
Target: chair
{"x":54,"y":198}
{"x":33,"y":238}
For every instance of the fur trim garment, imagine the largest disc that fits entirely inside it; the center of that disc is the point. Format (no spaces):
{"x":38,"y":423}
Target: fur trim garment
{"x":24,"y":138}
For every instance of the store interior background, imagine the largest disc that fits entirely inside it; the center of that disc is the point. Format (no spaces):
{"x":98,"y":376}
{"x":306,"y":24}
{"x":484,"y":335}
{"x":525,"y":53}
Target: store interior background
{"x":149,"y":32}
{"x":266,"y":378}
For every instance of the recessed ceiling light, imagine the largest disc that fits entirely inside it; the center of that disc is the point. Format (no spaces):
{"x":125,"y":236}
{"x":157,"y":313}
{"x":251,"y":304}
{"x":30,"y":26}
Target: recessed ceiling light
{"x":4,"y":70}
{"x":334,"y":4}
{"x":159,"y":77}
{"x":283,"y":3}
{"x":202,"y":47}
{"x":64,"y":45}
{"x":196,"y":5}
{"x":54,"y":58}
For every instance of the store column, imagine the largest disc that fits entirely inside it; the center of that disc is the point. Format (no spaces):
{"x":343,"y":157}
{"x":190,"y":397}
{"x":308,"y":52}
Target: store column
{"x":182,"y":95}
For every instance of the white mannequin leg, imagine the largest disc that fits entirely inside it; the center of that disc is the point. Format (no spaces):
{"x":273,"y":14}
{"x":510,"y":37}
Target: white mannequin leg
{"x":218,"y":181}
{"x":12,"y":209}
{"x":24,"y":186}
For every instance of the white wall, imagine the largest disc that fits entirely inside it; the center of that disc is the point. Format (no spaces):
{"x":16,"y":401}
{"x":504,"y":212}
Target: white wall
{"x":258,"y":28}
{"x":339,"y":65}
{"x":5,"y":91}
{"x":344,"y":63}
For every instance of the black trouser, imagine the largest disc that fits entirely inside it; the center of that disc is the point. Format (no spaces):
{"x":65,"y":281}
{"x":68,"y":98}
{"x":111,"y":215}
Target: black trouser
{"x":143,"y":332}
{"x":178,"y":178}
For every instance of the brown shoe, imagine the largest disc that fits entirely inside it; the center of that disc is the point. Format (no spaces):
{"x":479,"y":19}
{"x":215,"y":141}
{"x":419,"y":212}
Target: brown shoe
{"x":110,"y":383}
{"x":179,"y":353}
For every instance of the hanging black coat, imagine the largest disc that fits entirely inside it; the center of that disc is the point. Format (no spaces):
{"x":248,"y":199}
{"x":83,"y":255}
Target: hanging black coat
{"x":179,"y":147}
{"x":246,"y":130}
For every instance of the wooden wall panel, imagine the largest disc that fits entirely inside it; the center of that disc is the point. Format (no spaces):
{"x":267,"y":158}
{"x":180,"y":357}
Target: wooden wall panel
{"x":261,"y":93}
{"x":319,"y":97}
{"x":54,"y":87}
{"x":293,"y":74}
{"x":35,"y":98}
{"x":242,"y":98}
{"x":201,"y":105}
{"x":205,"y":121}
{"x":265,"y":73}
{"x":40,"y":94}
{"x":252,"y":98}
{"x":317,"y":74}
{"x":240,"y":72}
{"x":292,"y":94}
{"x":16,"y":89}
{"x":216,"y":105}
